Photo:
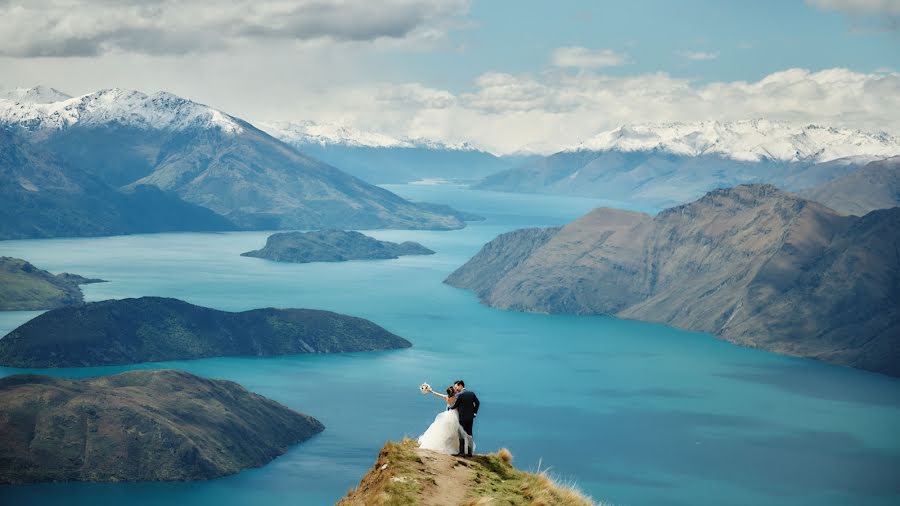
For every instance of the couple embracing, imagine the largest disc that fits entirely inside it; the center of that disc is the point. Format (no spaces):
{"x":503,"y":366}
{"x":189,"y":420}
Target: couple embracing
{"x":451,"y":431}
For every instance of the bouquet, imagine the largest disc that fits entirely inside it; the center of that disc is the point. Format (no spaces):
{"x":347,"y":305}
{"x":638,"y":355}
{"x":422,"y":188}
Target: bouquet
{"x":424,"y":388}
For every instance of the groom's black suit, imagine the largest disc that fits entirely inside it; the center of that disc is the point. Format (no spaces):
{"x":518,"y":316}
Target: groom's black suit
{"x":466,"y":406}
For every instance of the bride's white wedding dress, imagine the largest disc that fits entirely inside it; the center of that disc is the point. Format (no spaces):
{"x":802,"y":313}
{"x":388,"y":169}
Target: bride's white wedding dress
{"x":442,"y":435}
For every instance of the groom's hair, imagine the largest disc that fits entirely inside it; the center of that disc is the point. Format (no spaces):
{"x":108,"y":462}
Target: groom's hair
{"x":460,"y":383}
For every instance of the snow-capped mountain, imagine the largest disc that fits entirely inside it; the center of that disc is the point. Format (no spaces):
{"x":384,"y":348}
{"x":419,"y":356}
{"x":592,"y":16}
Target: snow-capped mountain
{"x":379,"y":158}
{"x":36,"y":109}
{"x":127,"y":139}
{"x":36,"y":95}
{"x":330,"y":134}
{"x":749,"y":140}
{"x":670,"y":163}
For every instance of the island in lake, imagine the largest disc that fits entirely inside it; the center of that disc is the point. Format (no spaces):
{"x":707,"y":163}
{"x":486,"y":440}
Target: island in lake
{"x":755,"y":265}
{"x":151,"y":329}
{"x":332,"y":246}
{"x":24,"y":287}
{"x":139,"y":425}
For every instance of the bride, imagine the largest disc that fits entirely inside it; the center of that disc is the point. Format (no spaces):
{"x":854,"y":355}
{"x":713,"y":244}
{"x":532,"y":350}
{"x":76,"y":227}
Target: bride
{"x":443,"y":434}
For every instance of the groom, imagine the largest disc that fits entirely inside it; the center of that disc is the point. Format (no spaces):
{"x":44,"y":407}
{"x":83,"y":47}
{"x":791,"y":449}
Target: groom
{"x":466,"y":405}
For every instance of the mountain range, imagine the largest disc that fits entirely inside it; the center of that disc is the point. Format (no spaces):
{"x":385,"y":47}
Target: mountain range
{"x":379,"y":158}
{"x":126,"y":139}
{"x":753,"y":264}
{"x":670,"y":163}
{"x":41,"y":196}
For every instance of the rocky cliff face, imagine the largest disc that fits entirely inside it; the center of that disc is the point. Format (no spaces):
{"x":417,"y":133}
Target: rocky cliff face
{"x":24,"y":287}
{"x":150,"y":329}
{"x":139,"y":425}
{"x":752,"y":264}
{"x":332,"y":246}
{"x":499,"y":257}
{"x":874,"y":186}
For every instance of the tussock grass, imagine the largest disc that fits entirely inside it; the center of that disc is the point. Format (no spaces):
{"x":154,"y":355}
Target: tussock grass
{"x":395,"y":480}
{"x":401,"y":477}
{"x":497,"y":482}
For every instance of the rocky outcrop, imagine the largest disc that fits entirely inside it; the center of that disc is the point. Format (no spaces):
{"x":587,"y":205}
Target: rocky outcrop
{"x":406,"y":474}
{"x":875,"y":186}
{"x":150,"y":329}
{"x":498,"y":257}
{"x":753,"y":264}
{"x":24,"y":287}
{"x":332,"y":246}
{"x":139,"y":425}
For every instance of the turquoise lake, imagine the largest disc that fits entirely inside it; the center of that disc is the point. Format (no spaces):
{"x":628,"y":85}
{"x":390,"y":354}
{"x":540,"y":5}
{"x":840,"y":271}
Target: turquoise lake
{"x":630,"y":412}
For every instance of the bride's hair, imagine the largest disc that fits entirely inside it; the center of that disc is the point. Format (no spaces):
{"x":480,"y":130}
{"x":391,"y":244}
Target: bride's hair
{"x":450,"y":392}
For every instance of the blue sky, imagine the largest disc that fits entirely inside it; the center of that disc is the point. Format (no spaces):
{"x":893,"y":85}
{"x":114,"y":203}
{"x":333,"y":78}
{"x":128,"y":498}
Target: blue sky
{"x":504,"y":75}
{"x":749,"y":39}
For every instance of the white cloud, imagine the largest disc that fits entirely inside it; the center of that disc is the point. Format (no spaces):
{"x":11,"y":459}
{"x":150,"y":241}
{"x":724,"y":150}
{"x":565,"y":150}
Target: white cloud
{"x":584,"y":58}
{"x":859,"y":7}
{"x":505,"y":112}
{"x":92,"y":27}
{"x":698,"y":55}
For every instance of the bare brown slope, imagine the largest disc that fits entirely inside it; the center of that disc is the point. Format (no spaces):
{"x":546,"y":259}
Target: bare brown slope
{"x":874,"y":186}
{"x":753,"y":264}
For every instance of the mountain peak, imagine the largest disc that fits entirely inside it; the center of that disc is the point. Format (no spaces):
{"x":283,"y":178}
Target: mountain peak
{"x":120,"y":106}
{"x":39,"y":94}
{"x":746,"y":140}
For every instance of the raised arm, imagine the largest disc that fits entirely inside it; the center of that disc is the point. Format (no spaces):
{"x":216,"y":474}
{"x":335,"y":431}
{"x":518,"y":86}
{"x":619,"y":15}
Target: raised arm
{"x":442,"y":396}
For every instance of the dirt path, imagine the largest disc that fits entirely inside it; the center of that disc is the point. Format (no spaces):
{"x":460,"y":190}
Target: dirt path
{"x":452,"y":477}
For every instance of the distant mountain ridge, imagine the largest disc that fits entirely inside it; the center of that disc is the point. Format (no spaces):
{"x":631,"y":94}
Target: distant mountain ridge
{"x":747,"y":140}
{"x":672,"y":163}
{"x":159,"y":111}
{"x":874,"y":186}
{"x":753,"y":264}
{"x":310,"y":132}
{"x":209,"y":158}
{"x":379,"y":158}
{"x":41,"y":196}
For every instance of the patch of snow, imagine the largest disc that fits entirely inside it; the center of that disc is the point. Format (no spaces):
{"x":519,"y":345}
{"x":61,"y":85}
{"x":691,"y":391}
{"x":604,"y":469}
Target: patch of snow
{"x":160,"y":111}
{"x":330,"y":134}
{"x":36,"y":95}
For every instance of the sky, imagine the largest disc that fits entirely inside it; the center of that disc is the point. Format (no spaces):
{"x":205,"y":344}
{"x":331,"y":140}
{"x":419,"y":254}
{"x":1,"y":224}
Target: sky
{"x":506,"y":76}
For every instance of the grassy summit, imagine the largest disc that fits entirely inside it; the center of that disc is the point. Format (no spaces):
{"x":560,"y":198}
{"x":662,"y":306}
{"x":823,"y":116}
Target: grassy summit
{"x":24,"y":287}
{"x":405,"y":474}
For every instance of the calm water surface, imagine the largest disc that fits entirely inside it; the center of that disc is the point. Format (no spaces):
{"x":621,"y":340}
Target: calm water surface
{"x":633,"y":413}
